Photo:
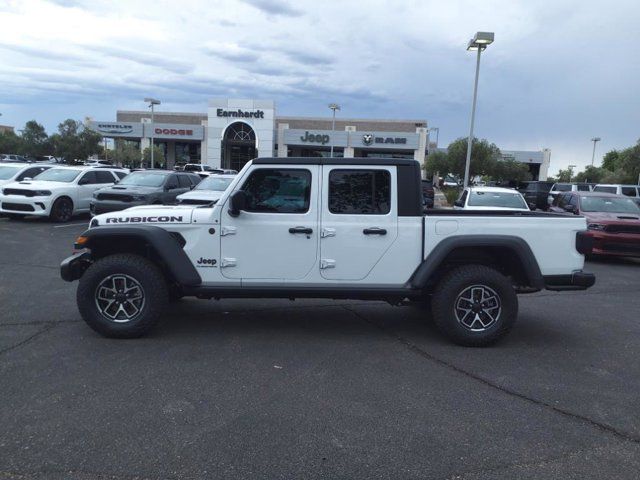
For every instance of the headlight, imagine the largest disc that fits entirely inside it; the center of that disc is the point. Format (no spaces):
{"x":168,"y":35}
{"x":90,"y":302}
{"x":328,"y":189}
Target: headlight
{"x":596,"y":226}
{"x":41,"y":193}
{"x":138,"y":198}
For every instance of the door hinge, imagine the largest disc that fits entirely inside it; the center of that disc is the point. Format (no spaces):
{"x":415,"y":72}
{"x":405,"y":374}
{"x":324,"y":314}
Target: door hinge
{"x":228,"y":262}
{"x":328,"y":232}
{"x":227,"y":231}
{"x":327,"y":263}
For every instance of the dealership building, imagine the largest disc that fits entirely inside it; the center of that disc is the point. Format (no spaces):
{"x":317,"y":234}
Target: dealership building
{"x":233,"y":131}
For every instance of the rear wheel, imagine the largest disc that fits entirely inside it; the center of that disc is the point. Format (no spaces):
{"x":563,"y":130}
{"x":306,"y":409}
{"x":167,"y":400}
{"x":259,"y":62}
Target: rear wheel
{"x":122,"y":296}
{"x":475,"y":305}
{"x":61,"y":210}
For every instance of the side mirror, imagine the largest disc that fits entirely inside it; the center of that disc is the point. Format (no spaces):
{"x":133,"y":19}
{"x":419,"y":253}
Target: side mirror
{"x":237,"y":202}
{"x":458,"y":203}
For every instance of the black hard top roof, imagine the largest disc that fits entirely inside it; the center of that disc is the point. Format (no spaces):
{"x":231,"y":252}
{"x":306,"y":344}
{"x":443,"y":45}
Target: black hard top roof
{"x":333,"y":161}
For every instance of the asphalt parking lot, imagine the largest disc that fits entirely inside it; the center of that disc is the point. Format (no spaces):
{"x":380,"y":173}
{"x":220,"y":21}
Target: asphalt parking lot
{"x":276,"y":389}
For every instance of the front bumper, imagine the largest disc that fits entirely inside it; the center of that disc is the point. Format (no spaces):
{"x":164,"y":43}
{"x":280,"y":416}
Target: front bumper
{"x":39,"y":206}
{"x":104,"y":206}
{"x":73,"y":267}
{"x":613,"y":244}
{"x":574,"y":281}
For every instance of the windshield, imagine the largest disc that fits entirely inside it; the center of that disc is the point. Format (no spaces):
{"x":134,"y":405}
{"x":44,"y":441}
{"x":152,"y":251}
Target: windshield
{"x":562,"y":187}
{"x":66,"y":175}
{"x":214,"y":183}
{"x":144,"y":179}
{"x":609,"y":205}
{"x":7,"y":172}
{"x":192,"y":168}
{"x":496,"y":199}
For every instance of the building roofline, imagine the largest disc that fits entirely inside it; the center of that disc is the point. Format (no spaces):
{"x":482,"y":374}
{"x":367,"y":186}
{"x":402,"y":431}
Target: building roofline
{"x":341,"y":119}
{"x":159,"y":112}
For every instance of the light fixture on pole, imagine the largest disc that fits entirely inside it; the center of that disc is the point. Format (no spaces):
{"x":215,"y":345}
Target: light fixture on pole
{"x":152,"y":102}
{"x":334,"y":107}
{"x":477,"y":43}
{"x":593,"y":155}
{"x":570,"y":168}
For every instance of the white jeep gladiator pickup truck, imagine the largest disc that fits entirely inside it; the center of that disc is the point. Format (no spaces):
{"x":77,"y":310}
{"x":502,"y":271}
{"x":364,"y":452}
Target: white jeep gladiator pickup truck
{"x":330,"y":228}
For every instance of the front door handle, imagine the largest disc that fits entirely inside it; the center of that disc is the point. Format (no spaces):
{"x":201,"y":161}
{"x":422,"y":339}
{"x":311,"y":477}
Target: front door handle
{"x":374,"y":231}
{"x":305,"y":230}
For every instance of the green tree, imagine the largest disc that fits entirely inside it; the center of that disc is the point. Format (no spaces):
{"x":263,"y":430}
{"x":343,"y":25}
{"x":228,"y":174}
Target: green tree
{"x":484,"y":156}
{"x":74,"y":143}
{"x":591,"y":175}
{"x":158,"y":157}
{"x":510,"y":171}
{"x":610,"y":160}
{"x":10,"y":142}
{"x":126,"y":154}
{"x":436,"y":162}
{"x":35,"y":141}
{"x":565,"y":175}
{"x":628,"y":163}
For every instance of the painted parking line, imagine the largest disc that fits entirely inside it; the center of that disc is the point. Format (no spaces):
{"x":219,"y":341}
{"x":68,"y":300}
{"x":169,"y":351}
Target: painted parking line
{"x":70,"y":225}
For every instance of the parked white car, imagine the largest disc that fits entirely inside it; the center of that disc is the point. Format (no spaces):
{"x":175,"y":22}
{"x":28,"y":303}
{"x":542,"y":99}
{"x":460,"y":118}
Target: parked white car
{"x":491,"y":198}
{"x":631,"y":191}
{"x":202,"y":170}
{"x":16,"y":172}
{"x":57,"y":193}
{"x":558,"y":188}
{"x":208,"y":191}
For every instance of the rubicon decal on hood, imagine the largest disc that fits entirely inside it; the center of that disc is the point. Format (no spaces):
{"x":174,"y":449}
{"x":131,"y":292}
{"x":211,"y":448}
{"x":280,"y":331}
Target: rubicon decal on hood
{"x":162,"y":219}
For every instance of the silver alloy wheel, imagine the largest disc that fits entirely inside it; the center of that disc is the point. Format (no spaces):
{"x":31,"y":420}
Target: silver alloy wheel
{"x":120,"y":298}
{"x":477,"y":308}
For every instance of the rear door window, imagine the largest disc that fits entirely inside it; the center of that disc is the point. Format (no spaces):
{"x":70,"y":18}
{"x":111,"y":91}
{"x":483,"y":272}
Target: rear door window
{"x":183,"y":181}
{"x":104,"y":176}
{"x":629,"y":191}
{"x":359,"y":192}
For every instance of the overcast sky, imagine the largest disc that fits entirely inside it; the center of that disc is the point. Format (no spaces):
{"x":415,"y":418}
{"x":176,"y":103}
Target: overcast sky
{"x":559,"y":72}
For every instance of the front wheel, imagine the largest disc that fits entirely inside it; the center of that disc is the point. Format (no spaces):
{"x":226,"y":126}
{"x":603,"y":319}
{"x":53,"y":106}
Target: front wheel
{"x":474,"y":305}
{"x":122,"y":296}
{"x":61,"y":210}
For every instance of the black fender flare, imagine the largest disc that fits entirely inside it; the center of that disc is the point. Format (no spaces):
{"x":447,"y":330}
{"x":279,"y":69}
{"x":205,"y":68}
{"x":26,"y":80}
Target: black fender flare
{"x":161,"y":240}
{"x":439,"y":254}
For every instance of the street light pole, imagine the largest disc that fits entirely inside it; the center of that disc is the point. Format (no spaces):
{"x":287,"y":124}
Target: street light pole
{"x":152,"y":102}
{"x":570,"y":168}
{"x":593,"y":155}
{"x":334,"y":107}
{"x":479,"y":43}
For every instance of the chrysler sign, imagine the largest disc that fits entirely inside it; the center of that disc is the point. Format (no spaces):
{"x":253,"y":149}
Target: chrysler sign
{"x":117,"y":129}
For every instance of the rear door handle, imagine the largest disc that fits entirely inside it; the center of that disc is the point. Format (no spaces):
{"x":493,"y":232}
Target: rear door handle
{"x":305,"y":230}
{"x":374,"y":231}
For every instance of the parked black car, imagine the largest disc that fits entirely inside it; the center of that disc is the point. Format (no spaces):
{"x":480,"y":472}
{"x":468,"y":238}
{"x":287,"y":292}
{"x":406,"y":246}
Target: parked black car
{"x":145,"y":187}
{"x":535,"y":194}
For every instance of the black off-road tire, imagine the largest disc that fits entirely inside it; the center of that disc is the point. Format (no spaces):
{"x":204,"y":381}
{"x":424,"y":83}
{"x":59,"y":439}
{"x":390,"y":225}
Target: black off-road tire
{"x":61,"y":210}
{"x":475,"y":282}
{"x":149,"y":278}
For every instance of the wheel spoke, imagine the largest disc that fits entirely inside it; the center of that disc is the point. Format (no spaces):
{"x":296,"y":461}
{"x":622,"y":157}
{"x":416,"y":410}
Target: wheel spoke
{"x":120,"y":298}
{"x":477,"y":307}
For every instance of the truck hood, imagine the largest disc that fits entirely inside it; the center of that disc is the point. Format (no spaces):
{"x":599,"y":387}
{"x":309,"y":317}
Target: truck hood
{"x":606,"y":217}
{"x":207,"y":195}
{"x":39,"y":185}
{"x":130,"y":189}
{"x":148,"y":214}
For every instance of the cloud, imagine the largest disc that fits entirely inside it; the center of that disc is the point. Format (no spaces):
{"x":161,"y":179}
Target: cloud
{"x":275,"y":7}
{"x":143,"y":58}
{"x":230,"y":51}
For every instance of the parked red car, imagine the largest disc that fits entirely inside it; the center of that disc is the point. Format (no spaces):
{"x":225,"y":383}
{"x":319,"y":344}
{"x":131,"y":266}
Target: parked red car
{"x":613,"y":221}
